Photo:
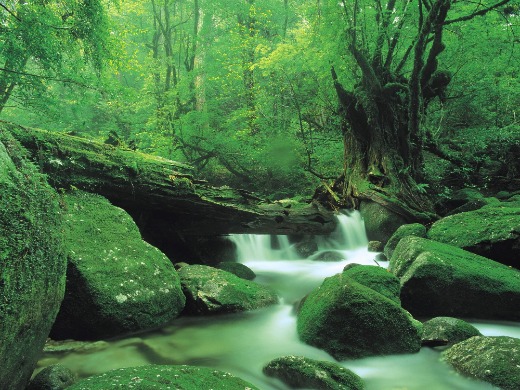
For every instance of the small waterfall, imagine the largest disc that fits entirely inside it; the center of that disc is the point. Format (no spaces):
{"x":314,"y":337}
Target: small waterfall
{"x":278,"y":264}
{"x":349,"y":234}
{"x":263,"y":247}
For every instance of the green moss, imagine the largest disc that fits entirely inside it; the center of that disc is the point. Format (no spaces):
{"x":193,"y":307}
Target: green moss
{"x":82,"y":162}
{"x":447,"y":331}
{"x":442,"y":280}
{"x":492,"y":359}
{"x":117,"y":283}
{"x":237,"y":269}
{"x":378,"y":279}
{"x":350,"y":320}
{"x":491,"y":224}
{"x":413,"y":229}
{"x":164,"y":377}
{"x":302,"y":372}
{"x":32,"y":263}
{"x":210,"y":290}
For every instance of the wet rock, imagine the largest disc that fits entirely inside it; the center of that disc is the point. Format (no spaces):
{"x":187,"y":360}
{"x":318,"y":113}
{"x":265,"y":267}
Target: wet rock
{"x":116,"y":282}
{"x":380,"y":257}
{"x":306,"y":248}
{"x":380,"y":223}
{"x":238,"y":269}
{"x":492,"y":231}
{"x":376,"y":278}
{"x":442,"y":280}
{"x":55,"y":377}
{"x":441,"y":331}
{"x":350,"y":320}
{"x":164,"y":377}
{"x":32,"y":263}
{"x":60,"y":346}
{"x":209,"y":291}
{"x":491,"y":359}
{"x":301,"y":372}
{"x":375,"y":246}
{"x":329,"y":256}
{"x":411,"y":229}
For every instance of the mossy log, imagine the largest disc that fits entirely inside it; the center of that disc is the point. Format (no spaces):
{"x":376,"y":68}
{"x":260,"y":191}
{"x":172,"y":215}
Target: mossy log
{"x":156,"y":190}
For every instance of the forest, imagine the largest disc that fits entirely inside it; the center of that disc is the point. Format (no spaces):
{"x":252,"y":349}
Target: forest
{"x":332,"y":186}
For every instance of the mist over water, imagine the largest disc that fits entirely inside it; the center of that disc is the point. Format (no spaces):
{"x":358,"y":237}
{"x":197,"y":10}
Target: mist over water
{"x":243,"y":343}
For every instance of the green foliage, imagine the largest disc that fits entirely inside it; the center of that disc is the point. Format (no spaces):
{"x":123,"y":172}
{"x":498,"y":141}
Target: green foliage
{"x":44,"y":42}
{"x":242,"y":91}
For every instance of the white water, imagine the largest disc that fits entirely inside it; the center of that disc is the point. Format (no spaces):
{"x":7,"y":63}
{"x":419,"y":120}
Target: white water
{"x":243,"y":343}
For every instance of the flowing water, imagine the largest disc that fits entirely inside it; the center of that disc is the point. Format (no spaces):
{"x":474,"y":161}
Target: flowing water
{"x":243,"y":343}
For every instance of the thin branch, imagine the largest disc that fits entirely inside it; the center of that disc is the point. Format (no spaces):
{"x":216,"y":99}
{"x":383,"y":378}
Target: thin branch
{"x":47,"y":78}
{"x":478,"y":13}
{"x":394,"y":40}
{"x":10,"y":12}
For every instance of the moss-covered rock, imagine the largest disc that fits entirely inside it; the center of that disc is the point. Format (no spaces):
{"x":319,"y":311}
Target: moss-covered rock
{"x":302,"y":372}
{"x":164,"y":377}
{"x":459,"y":198}
{"x":306,"y":248}
{"x":55,"y":377}
{"x":350,"y":320}
{"x":441,"y":331}
{"x":380,"y":223}
{"x":411,"y":229}
{"x":473,"y":205}
{"x":492,"y":231}
{"x":376,"y":278}
{"x":32,"y":263}
{"x":238,"y":269}
{"x":375,"y":246}
{"x":210,"y":290}
{"x":442,"y":280}
{"x":329,"y":256}
{"x":116,"y":282}
{"x":492,"y":359}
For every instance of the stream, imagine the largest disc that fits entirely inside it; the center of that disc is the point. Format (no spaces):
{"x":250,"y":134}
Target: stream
{"x":243,"y":343}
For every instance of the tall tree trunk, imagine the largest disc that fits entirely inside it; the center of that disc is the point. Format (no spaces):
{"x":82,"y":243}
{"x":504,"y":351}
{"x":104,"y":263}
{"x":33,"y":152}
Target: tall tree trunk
{"x":248,"y":27}
{"x":382,"y":114}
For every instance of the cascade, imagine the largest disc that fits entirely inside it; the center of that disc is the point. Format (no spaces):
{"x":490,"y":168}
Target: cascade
{"x":277,"y":263}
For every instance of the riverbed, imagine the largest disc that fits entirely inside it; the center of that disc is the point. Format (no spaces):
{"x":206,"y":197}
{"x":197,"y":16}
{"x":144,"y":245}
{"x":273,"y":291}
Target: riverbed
{"x":243,"y":343}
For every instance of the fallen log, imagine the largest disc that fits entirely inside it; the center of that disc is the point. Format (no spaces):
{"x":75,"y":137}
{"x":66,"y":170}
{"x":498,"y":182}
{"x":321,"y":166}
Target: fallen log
{"x":162,"y":192}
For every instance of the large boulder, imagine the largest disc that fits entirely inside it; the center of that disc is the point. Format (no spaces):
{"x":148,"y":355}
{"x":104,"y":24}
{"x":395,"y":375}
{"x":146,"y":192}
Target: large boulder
{"x":376,"y":278}
{"x":492,"y":231}
{"x":302,"y":372}
{"x":164,"y":377}
{"x":442,"y":280}
{"x":116,"y":282}
{"x":380,"y":223}
{"x":210,"y":290}
{"x":442,"y":331}
{"x":492,"y":359}
{"x":350,"y":320}
{"x":411,"y":229}
{"x":32,"y":263}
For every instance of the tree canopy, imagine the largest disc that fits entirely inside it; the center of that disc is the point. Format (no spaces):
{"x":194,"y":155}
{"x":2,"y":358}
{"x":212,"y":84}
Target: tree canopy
{"x":275,"y":96}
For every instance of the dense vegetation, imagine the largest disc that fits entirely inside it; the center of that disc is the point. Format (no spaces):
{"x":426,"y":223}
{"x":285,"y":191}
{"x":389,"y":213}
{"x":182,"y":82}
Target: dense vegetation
{"x":278,"y":96}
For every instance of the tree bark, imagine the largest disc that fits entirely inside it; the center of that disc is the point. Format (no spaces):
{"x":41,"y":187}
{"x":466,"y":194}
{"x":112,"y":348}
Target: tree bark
{"x":163,"y":192}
